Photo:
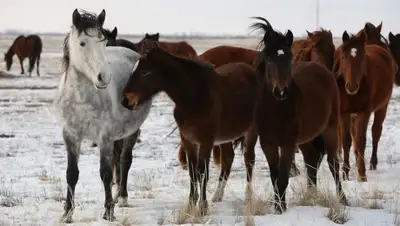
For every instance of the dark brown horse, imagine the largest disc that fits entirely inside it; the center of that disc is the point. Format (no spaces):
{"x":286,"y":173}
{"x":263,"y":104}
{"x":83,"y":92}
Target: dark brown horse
{"x":219,"y":56}
{"x":318,"y":47}
{"x":112,"y":40}
{"x":365,"y":81}
{"x":394,"y":46}
{"x":212,"y":107}
{"x":31,"y":47}
{"x":297,"y":104}
{"x":181,"y":48}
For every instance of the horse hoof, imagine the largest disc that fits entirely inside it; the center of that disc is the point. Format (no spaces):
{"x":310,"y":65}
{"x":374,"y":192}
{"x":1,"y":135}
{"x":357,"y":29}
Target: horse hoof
{"x":362,"y":179}
{"x":122,"y":202}
{"x":66,"y":219}
{"x":203,"y":207}
{"x":372,"y":167}
{"x":108,"y":216}
{"x":217,"y":197}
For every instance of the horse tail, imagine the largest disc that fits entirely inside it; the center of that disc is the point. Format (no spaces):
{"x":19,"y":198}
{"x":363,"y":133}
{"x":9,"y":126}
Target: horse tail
{"x":240,"y":141}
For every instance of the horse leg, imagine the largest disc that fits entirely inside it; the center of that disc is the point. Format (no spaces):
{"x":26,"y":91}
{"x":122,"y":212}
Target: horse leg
{"x":191,"y":152}
{"x":226,"y":165}
{"x":118,"y":145}
{"x":106,"y":175}
{"x":217,"y":155}
{"x":312,"y":159}
{"x":331,"y":142}
{"x":203,"y":166}
{"x":294,"y":171}
{"x":72,"y":145}
{"x":379,"y":117}
{"x":285,"y":160}
{"x":37,"y":65}
{"x":361,"y":125}
{"x":182,"y":157}
{"x":124,"y":166}
{"x":249,"y":160}
{"x":346,"y":144}
{"x":21,"y":60}
{"x":32,"y":60}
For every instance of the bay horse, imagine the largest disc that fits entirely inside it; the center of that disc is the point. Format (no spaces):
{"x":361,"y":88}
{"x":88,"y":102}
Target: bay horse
{"x":181,"y":48}
{"x":212,"y":107}
{"x":394,"y":46}
{"x":31,"y":47}
{"x":298,"y":106}
{"x":112,"y":40}
{"x":88,"y":105}
{"x":365,"y":81}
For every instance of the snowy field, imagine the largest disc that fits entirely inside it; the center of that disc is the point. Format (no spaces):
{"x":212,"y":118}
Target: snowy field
{"x":33,"y":162}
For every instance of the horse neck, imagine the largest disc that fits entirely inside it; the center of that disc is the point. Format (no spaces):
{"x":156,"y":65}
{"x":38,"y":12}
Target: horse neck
{"x":182,"y":86}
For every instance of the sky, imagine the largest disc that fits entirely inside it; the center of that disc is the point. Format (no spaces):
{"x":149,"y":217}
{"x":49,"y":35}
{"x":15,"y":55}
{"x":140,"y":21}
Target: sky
{"x":214,"y":17}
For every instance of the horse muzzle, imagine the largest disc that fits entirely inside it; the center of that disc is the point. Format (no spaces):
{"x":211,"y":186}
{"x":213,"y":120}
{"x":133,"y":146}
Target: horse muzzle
{"x":280,"y":94}
{"x":352,"y":89}
{"x":129,"y":103}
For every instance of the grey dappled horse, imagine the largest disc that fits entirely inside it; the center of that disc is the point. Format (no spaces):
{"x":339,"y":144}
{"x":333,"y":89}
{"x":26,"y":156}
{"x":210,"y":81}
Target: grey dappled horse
{"x":89,"y":106}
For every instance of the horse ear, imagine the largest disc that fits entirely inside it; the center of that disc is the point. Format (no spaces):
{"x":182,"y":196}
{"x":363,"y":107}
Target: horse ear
{"x":76,"y":17}
{"x":309,"y":34}
{"x":146,"y":35}
{"x":379,"y":27}
{"x":157,"y":36}
{"x":101,"y":18}
{"x":391,"y":37}
{"x":363,"y":35}
{"x":345,"y":36}
{"x":289,"y":37}
{"x":114,"y":33}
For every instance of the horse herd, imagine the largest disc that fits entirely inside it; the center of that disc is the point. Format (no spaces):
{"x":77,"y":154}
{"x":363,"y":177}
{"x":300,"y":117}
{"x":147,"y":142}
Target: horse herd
{"x":290,"y":94}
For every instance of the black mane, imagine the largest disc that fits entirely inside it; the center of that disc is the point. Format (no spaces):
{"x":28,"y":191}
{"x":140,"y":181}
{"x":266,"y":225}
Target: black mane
{"x":271,"y":37}
{"x":87,"y":21}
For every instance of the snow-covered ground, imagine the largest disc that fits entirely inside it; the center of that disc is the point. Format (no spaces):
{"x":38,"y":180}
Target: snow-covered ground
{"x":33,"y":165}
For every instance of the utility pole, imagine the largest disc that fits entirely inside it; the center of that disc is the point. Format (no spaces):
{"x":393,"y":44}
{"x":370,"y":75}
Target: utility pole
{"x":317,"y":16}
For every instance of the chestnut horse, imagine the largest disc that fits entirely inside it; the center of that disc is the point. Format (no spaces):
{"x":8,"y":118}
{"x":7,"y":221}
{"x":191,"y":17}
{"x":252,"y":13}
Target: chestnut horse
{"x":318,"y":47}
{"x":372,"y":35}
{"x":298,"y":106}
{"x":31,"y":47}
{"x":366,"y":77}
{"x":212,"y":107}
{"x":394,"y":46}
{"x":181,"y":48}
{"x":224,"y":54}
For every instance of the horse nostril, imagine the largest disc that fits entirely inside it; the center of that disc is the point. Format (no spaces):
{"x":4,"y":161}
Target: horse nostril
{"x":99,"y":78}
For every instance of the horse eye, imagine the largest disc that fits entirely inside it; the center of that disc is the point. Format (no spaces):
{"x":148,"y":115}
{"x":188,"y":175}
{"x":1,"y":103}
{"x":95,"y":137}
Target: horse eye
{"x":82,"y":44}
{"x":144,"y":73}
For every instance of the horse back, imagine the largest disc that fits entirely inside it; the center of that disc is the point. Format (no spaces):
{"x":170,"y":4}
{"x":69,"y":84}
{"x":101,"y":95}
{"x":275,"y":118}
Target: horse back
{"x":181,"y":48}
{"x":221,"y":55}
{"x":34,"y":45}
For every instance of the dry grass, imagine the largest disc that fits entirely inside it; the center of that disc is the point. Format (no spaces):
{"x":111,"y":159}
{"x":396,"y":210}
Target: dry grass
{"x":189,"y":214}
{"x":7,"y":197}
{"x":310,"y":196}
{"x":373,"y":199}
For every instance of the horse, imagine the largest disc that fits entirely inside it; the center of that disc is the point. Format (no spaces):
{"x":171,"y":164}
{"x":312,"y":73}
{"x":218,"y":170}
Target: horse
{"x":298,"y":106}
{"x":365,"y":81}
{"x":212,"y":107}
{"x":394,"y":46}
{"x":224,"y":54}
{"x":373,"y":36}
{"x":31,"y":47}
{"x":88,"y":104}
{"x":318,"y":47}
{"x":181,"y":48}
{"x":112,"y":40}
